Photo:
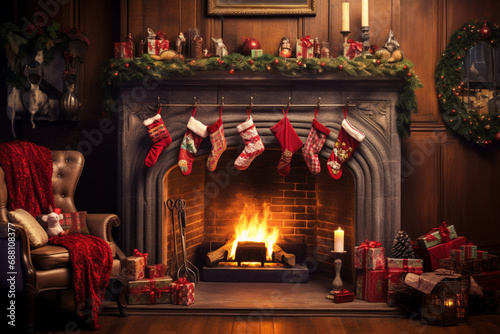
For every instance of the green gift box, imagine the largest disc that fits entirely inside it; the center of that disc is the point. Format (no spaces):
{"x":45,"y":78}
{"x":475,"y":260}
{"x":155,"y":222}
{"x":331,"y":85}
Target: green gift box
{"x":257,"y":53}
{"x":453,"y":232}
{"x":150,"y":291}
{"x":431,"y":239}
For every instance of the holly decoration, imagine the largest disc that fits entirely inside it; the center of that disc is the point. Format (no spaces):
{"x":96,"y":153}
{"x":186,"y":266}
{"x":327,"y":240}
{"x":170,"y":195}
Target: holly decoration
{"x":401,"y":247}
{"x":146,"y":67}
{"x":457,"y":114}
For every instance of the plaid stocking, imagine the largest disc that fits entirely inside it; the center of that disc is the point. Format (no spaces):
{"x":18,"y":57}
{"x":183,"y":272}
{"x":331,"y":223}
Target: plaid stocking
{"x":314,"y":143}
{"x":159,"y":136}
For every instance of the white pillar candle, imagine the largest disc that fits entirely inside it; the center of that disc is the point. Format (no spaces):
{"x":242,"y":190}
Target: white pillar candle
{"x":364,"y":13}
{"x":338,"y":240}
{"x":345,"y":16}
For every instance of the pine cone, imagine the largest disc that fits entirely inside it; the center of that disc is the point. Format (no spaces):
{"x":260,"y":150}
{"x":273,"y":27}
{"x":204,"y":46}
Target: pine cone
{"x":401,"y":247}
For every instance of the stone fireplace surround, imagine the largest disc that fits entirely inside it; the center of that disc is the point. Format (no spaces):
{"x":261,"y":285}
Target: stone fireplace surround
{"x":376,"y":164}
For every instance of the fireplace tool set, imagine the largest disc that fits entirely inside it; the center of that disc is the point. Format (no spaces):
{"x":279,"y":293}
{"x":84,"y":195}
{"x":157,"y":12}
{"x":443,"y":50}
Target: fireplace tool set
{"x":186,"y":269}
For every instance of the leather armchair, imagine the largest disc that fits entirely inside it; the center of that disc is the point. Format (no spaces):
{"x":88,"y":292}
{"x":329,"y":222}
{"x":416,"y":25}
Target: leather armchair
{"x":49,"y":267}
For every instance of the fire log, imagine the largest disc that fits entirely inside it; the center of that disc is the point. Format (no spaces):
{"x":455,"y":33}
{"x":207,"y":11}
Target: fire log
{"x":281,"y":256}
{"x":214,"y":257}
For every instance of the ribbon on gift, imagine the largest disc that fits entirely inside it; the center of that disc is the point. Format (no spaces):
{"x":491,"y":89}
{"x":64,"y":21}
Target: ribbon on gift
{"x":353,"y":48}
{"x":444,"y":232}
{"x":364,"y":246}
{"x":341,"y":292}
{"x":430,"y":237}
{"x":394,"y":274}
{"x":150,"y":289}
{"x":144,"y":255}
{"x":306,"y":43}
{"x":160,"y":35}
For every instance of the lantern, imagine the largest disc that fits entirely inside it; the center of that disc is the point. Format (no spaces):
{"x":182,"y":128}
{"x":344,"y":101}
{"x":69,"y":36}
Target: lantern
{"x":440,"y":306}
{"x":462,"y":300}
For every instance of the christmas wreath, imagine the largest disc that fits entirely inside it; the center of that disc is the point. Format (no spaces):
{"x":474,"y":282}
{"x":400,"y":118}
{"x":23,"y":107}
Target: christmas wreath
{"x":460,"y":115}
{"x":118,"y":70}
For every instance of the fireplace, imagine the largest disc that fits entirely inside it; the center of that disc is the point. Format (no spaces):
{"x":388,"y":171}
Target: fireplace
{"x":305,"y":208}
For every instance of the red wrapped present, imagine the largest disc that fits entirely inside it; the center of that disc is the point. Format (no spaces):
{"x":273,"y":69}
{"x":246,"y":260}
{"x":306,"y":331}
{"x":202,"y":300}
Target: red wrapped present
{"x":457,"y":255}
{"x":343,"y":296}
{"x":133,"y":269}
{"x":470,"y":251}
{"x":371,"y":285}
{"x":155,"y":270}
{"x":124,"y":49}
{"x":157,"y":42}
{"x":369,"y":255}
{"x":482,"y":255}
{"x":355,"y":49}
{"x":182,"y":292}
{"x":396,"y":268}
{"x":305,"y":47}
{"x":144,"y":255}
{"x":150,"y":291}
{"x":433,"y":255}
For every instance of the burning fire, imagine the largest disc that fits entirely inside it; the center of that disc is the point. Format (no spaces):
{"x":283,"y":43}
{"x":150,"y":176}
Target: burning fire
{"x":256,"y":230}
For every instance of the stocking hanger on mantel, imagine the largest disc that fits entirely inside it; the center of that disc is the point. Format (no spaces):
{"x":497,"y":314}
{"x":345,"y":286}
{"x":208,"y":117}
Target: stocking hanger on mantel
{"x":257,"y":105}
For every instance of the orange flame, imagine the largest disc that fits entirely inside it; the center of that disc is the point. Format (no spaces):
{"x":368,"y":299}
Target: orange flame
{"x":256,"y":230}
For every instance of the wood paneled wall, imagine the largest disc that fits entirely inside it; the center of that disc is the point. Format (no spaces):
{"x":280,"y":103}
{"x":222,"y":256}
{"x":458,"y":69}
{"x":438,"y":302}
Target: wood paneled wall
{"x":444,"y":178}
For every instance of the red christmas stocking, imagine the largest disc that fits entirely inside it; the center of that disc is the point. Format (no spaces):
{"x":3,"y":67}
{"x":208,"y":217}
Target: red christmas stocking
{"x":289,"y":141}
{"x":218,"y":141}
{"x":195,"y":133}
{"x":253,"y":144}
{"x":314,"y":143}
{"x":347,"y":142}
{"x":159,"y":136}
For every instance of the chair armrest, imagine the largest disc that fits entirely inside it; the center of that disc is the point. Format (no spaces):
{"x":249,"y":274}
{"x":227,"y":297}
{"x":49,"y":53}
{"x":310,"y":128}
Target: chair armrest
{"x":101,"y":225}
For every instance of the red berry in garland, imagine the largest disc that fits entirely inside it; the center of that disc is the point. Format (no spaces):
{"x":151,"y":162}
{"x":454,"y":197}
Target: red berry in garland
{"x":299,"y":63}
{"x":341,"y":67}
{"x":268,"y":68}
{"x":127,"y":65}
{"x":409,"y":74}
{"x":276,"y":61}
{"x":148,"y":67}
{"x":231,"y":71}
{"x":112,"y":65}
{"x":116,"y":73}
{"x":406,"y":67}
{"x":250,"y":61}
{"x":377,"y":61}
{"x":323,"y":64}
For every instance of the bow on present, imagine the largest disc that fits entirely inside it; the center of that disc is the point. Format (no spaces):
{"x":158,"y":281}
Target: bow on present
{"x":144,"y":255}
{"x":306,"y":42}
{"x":341,"y":292}
{"x":370,"y":244}
{"x":160,"y":35}
{"x":444,"y":232}
{"x":354,"y":47}
{"x":150,"y":289}
{"x":181,"y":281}
{"x":430,"y":237}
{"x":394,"y":274}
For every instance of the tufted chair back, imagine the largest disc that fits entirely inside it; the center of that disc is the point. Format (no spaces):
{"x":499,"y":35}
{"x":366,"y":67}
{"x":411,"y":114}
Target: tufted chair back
{"x":68,"y":166}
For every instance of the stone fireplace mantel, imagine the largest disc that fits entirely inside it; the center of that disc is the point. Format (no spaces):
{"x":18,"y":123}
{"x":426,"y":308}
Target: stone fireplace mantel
{"x":376,"y":164}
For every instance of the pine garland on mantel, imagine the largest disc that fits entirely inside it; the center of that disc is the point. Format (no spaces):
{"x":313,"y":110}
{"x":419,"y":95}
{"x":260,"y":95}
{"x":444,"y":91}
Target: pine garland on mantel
{"x":450,"y":77}
{"x":119,"y":70}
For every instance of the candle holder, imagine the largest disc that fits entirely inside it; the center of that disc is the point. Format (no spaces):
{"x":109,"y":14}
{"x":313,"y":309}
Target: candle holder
{"x":337,"y":283}
{"x":365,"y":36}
{"x":345,"y":45}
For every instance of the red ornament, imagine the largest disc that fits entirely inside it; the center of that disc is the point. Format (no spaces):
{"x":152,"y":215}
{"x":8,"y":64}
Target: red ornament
{"x":112,"y":65}
{"x":231,"y":71}
{"x":276,"y":61}
{"x":378,"y":61}
{"x":250,"y":44}
{"x":299,"y":63}
{"x":341,"y":67}
{"x":250,"y":61}
{"x":406,"y":67}
{"x":116,"y":73}
{"x":409,"y":74}
{"x":497,"y":137}
{"x":485,"y":31}
{"x":323,"y":64}
{"x":285,"y":53}
{"x":148,"y":67}
{"x":127,"y":65}
{"x":268,"y":68}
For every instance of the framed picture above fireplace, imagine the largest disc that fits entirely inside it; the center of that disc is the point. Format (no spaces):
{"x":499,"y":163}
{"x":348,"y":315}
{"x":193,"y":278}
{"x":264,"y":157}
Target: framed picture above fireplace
{"x":261,"y":7}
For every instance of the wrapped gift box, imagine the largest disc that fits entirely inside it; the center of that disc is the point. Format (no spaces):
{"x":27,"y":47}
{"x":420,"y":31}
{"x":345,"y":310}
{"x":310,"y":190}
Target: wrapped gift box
{"x":472,"y":267}
{"x":482,"y":255}
{"x":470,"y":251}
{"x":305,"y":48}
{"x":257,"y":53}
{"x":150,"y":291}
{"x":396,"y":268}
{"x":430,"y":239}
{"x":457,"y":255}
{"x":155,"y":270}
{"x":124,"y":49}
{"x":156,"y":46}
{"x":182,"y":292}
{"x":453,"y":232}
{"x":433,"y":255}
{"x":343,"y":296}
{"x":134,"y":268}
{"x":369,"y":255}
{"x":371,"y":285}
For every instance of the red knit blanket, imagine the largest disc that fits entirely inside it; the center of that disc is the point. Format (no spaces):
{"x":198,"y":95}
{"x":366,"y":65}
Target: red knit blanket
{"x":28,"y":174}
{"x":92,"y":261}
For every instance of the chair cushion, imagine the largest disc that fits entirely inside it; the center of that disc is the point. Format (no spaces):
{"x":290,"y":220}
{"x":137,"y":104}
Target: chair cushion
{"x":49,"y":257}
{"x":37,"y":235}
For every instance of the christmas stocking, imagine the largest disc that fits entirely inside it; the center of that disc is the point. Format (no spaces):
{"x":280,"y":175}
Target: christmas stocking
{"x":347,"y":142}
{"x":195,"y":133}
{"x":253,"y":144}
{"x":159,"y":136}
{"x":218,"y":141}
{"x":289,"y":141}
{"x":314,"y":143}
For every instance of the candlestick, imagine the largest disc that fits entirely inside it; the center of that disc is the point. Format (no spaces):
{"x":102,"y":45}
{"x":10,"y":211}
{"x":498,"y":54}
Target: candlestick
{"x":337,"y":283}
{"x":345,"y":44}
{"x":345,"y":16}
{"x":338,"y":240}
{"x":364,"y":13}
{"x":365,"y":36}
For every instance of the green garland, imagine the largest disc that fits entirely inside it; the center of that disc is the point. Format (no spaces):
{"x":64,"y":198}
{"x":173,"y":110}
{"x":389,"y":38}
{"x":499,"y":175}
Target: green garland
{"x":450,"y":74}
{"x":121,"y":70}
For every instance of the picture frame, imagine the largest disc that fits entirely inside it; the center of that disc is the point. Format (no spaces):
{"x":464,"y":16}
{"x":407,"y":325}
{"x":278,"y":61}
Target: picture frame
{"x":262,"y":7}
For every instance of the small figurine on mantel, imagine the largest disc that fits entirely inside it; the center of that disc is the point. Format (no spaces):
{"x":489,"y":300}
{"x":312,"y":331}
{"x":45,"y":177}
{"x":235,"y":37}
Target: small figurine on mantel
{"x":220,"y":47}
{"x":390,"y":51}
{"x":285,"y":49}
{"x":180,"y":43}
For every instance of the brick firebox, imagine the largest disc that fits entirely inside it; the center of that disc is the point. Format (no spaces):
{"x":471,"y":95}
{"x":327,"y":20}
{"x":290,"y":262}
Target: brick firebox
{"x":304,"y":207}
